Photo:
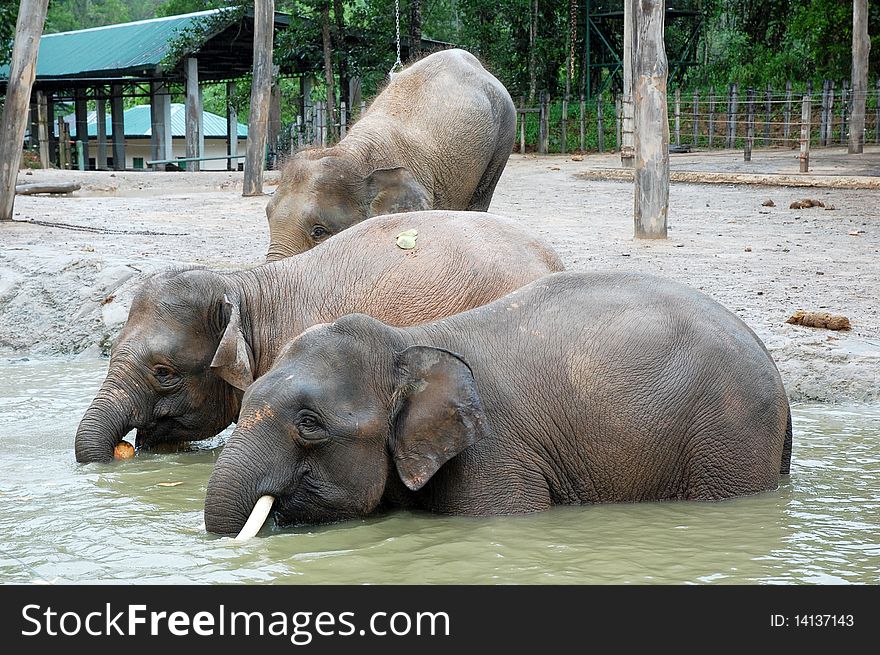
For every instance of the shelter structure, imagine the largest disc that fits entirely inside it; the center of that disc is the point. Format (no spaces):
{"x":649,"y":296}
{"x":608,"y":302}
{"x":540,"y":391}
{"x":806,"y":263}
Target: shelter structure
{"x":151,"y":58}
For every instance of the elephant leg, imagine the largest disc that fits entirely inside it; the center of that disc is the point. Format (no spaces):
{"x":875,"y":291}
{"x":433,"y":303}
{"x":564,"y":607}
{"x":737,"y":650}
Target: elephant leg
{"x":785,"y":467}
{"x":483,"y":193}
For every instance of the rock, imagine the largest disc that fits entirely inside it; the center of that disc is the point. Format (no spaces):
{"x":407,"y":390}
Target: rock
{"x":768,"y":203}
{"x":829,"y":208}
{"x":748,"y":249}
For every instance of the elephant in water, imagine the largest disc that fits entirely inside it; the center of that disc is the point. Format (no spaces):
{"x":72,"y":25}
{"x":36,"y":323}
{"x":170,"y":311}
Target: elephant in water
{"x":195,"y":339}
{"x":577,"y":388}
{"x":437,"y":137}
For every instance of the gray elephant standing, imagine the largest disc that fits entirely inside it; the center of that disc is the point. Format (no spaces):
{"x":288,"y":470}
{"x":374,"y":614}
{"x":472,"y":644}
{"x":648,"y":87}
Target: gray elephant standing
{"x":195,"y":339}
{"x":437,"y":137}
{"x":577,"y":388}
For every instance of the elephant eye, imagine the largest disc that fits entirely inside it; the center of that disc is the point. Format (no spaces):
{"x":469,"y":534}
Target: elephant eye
{"x":319,"y":232}
{"x":310,"y":427}
{"x":164,"y":374}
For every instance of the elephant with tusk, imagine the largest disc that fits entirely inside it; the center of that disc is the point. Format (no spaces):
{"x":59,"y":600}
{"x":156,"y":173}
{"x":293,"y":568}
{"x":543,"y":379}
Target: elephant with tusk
{"x":195,"y":339}
{"x":577,"y":388}
{"x":437,"y":137}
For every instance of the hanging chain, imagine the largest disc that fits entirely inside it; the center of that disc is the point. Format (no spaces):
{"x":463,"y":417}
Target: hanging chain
{"x":398,"y":63}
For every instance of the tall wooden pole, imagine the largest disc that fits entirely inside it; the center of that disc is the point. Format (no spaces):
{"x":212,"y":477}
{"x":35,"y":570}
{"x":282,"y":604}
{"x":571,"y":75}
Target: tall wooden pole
{"x":193,"y":107}
{"x":861,"y":47}
{"x":651,"y":124}
{"x":22,"y":71}
{"x":261,"y":89}
{"x":627,"y":154}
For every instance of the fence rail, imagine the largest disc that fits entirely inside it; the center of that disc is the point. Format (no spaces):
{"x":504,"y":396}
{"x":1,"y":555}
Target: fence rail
{"x":739,"y":118}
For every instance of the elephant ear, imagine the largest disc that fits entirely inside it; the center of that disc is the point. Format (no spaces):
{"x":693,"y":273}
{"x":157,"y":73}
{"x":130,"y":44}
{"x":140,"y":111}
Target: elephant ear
{"x":437,"y":414}
{"x":234,"y":361}
{"x":394,"y":190}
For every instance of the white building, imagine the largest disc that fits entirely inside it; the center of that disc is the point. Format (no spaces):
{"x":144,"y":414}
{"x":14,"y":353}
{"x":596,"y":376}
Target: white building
{"x":138,"y":133}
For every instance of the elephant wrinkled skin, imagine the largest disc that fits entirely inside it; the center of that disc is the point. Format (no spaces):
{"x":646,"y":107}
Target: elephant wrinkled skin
{"x":577,"y":388}
{"x":437,"y":137}
{"x":195,"y":339}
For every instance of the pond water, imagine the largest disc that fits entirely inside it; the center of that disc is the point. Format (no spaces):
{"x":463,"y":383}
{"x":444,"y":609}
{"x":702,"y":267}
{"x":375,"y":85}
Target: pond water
{"x":140,"y":521}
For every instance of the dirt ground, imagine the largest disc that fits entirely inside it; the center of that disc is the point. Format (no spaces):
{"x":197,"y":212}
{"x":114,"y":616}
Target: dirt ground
{"x":68,"y":265}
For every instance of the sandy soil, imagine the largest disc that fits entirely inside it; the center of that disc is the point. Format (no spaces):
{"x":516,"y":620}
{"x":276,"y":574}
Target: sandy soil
{"x":68,"y":265}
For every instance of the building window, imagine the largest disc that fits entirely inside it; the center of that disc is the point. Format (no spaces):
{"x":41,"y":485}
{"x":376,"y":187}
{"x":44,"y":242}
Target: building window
{"x":138,"y":162}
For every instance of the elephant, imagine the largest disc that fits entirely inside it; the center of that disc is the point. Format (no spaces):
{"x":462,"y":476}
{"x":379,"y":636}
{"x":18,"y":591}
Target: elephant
{"x":437,"y":137}
{"x":577,"y":388}
{"x":195,"y":339}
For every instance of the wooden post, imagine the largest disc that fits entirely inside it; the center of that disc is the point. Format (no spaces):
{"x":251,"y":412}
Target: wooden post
{"x":363,"y":109}
{"x":732,"y":103}
{"x":117,"y":124}
{"x":677,"y":113}
{"x":231,"y":127}
{"x":805,"y":135}
{"x":101,"y":128}
{"x":158,"y":95}
{"x":43,"y":129}
{"x":600,"y":123}
{"x":829,"y":124}
{"x":627,"y":148}
{"x":786,"y":128}
{"x":274,"y":128}
{"x":750,"y":125}
{"x":193,"y":113}
{"x":618,"y":113}
{"x":877,"y":115}
{"x":50,"y":124}
{"x":711,"y":120}
{"x":343,"y":120}
{"x":823,"y":117}
{"x":522,"y":126}
{"x":844,"y":110}
{"x":651,"y":198}
{"x":696,"y":120}
{"x":299,"y":132}
{"x":13,"y":124}
{"x":564,"y":125}
{"x":543,"y":123}
{"x":81,"y":111}
{"x":261,"y":88}
{"x":63,"y":144}
{"x":861,"y":50}
{"x":581,"y":125}
{"x":768,"y":108}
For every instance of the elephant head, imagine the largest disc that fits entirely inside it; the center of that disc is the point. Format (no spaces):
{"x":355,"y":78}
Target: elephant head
{"x":176,"y":370}
{"x":347,"y":418}
{"x":319,"y":196}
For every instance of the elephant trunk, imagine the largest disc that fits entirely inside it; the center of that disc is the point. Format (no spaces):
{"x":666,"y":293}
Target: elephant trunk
{"x":107,"y":420}
{"x":250,"y":469}
{"x":279,"y":248}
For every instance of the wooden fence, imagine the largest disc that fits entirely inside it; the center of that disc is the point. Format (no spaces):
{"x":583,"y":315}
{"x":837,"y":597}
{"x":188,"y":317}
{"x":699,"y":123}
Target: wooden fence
{"x":733,"y":118}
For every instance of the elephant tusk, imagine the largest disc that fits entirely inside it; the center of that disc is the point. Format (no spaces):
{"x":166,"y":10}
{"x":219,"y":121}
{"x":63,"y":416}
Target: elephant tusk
{"x":257,"y":518}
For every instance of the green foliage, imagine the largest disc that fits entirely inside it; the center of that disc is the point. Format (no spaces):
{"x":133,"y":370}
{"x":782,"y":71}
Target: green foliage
{"x":191,"y":38}
{"x":8,"y":16}
{"x":770,"y":41}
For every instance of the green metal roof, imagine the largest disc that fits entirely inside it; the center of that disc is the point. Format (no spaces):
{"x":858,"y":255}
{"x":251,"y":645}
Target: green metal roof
{"x":127,"y":48}
{"x":137,"y":123}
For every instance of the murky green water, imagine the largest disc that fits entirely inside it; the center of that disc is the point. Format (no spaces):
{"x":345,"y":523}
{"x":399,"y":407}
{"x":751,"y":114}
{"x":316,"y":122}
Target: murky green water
{"x":106,"y":523}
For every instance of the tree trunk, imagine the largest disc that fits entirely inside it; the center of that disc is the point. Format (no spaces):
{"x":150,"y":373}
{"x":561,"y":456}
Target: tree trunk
{"x":533,"y":37}
{"x":415,"y":29}
{"x":22,"y":70}
{"x":861,"y":47}
{"x":261,"y":88}
{"x":651,"y":202}
{"x":342,"y":52}
{"x":328,"y":71}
